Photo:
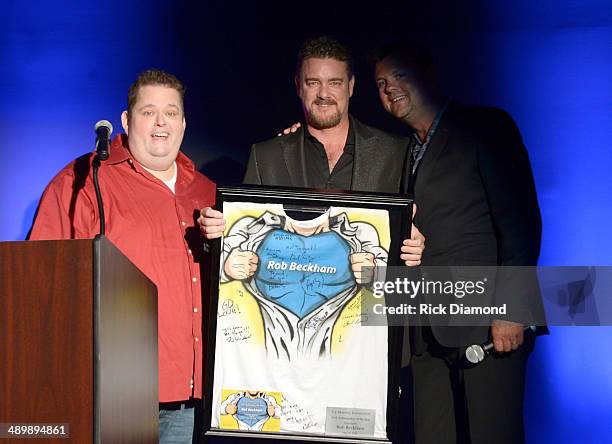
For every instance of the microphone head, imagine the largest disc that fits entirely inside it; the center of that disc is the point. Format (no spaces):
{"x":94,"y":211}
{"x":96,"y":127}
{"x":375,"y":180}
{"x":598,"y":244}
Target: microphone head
{"x":104,"y":124}
{"x":474,"y":354}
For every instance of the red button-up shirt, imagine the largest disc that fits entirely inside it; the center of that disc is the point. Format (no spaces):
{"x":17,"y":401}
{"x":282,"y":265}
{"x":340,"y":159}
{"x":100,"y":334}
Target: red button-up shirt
{"x":156,"y":229}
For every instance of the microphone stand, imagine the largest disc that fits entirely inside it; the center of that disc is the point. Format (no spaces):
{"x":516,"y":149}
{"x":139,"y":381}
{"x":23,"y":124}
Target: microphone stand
{"x":96,"y":166}
{"x":102,"y":147}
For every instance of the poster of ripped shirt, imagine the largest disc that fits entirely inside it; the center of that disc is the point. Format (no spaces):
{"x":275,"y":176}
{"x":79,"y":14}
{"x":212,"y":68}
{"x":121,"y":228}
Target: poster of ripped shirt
{"x":291,"y":355}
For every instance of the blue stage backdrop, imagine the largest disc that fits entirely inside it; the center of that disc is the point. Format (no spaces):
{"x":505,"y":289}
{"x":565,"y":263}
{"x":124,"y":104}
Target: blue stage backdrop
{"x":548,"y":63}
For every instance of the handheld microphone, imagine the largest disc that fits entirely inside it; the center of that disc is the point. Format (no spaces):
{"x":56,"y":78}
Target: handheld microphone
{"x":103,"y":130}
{"x":478,"y":352}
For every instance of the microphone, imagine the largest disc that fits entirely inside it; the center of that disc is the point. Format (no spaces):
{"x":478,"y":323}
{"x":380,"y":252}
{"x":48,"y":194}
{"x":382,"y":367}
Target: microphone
{"x":478,"y":352}
{"x":103,"y":130}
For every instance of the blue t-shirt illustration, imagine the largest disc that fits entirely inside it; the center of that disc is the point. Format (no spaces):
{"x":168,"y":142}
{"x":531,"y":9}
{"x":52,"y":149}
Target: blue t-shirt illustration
{"x":251,"y":411}
{"x":300,"y":273}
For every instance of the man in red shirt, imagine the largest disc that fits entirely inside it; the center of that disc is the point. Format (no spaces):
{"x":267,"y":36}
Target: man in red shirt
{"x":151,"y":191}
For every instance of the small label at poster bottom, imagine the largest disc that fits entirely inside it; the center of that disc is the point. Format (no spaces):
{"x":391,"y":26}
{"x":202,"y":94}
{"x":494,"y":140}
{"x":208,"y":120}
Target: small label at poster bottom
{"x":349,"y":421}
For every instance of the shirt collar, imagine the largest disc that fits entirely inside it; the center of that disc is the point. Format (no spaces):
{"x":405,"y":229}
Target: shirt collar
{"x":119,"y":153}
{"x":433,"y":127}
{"x":350,"y":138}
{"x":118,"y":150}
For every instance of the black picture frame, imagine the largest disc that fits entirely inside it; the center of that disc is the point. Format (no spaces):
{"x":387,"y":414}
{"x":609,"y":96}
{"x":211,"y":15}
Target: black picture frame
{"x":399,"y":208}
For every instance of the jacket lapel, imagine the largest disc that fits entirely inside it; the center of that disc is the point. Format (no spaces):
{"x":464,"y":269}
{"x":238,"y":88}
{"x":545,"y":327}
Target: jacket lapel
{"x":365,"y":165}
{"x":435,"y":148}
{"x":295,"y":158}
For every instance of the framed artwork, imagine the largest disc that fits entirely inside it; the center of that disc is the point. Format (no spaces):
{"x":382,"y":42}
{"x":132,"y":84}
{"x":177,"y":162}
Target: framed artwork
{"x":288,"y":357}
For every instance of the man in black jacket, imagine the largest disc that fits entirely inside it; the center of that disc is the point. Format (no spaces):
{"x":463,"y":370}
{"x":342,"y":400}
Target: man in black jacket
{"x":477,"y":203}
{"x":333,"y":150}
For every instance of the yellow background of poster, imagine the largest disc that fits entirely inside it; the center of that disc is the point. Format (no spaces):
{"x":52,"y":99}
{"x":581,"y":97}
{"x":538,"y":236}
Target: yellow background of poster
{"x":236,"y":298}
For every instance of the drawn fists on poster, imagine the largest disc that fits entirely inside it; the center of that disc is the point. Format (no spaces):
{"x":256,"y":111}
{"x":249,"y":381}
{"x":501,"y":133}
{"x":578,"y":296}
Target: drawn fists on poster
{"x":271,"y":410}
{"x":232,"y":408}
{"x":362,"y":265}
{"x":241,"y":264}
{"x":212,"y":224}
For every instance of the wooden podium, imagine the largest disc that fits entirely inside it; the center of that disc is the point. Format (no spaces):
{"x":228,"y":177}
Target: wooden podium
{"x":78,"y":341}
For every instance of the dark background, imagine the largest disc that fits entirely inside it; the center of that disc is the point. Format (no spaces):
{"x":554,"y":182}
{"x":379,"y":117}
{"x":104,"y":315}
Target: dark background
{"x":66,"y":65}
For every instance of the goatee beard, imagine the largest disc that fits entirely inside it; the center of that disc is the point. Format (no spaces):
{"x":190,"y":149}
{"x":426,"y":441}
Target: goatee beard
{"x":322,"y":123}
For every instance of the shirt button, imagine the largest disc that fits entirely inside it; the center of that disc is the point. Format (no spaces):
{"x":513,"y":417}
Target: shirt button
{"x":189,"y":251}
{"x":197,"y":339}
{"x":183,"y":223}
{"x":195,"y":309}
{"x":194,"y":279}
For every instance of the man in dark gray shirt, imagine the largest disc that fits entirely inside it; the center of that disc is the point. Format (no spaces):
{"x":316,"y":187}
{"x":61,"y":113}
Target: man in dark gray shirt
{"x":317,"y":168}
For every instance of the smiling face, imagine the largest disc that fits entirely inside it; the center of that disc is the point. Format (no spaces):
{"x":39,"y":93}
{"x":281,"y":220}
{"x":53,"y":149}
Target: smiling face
{"x":324,"y":88}
{"x":398,"y":88}
{"x":155,"y":127}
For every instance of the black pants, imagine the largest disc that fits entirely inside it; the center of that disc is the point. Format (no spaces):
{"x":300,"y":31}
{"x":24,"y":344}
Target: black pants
{"x":457,"y":402}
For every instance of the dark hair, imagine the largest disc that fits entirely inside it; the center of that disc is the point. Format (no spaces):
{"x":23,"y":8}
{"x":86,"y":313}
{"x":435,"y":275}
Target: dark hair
{"x":413,"y":55}
{"x":154,"y":77}
{"x":324,"y":47}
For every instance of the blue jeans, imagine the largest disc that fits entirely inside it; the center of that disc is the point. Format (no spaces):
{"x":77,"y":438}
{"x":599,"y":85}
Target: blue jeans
{"x":176,"y":425}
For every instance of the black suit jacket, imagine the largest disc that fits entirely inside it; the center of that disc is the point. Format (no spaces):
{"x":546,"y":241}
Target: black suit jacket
{"x":377,"y":162}
{"x":476,"y":201}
